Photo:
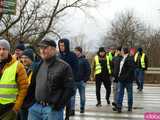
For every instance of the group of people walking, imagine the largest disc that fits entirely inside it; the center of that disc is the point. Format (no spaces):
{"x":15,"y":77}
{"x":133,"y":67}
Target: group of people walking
{"x":121,"y":67}
{"x":41,"y":88}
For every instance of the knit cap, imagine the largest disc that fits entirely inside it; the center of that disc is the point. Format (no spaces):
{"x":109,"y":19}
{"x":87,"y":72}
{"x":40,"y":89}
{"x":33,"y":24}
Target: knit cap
{"x":29,"y":53}
{"x":4,"y":43}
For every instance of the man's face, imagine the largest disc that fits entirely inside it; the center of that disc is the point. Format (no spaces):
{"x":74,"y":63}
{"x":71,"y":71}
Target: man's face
{"x":122,"y":53}
{"x":62,"y":46}
{"x":18,"y":53}
{"x":78,"y":53}
{"x":47,"y":52}
{"x":118,"y":52}
{"x":3,"y":53}
{"x":102,"y":54}
{"x":25,"y":60}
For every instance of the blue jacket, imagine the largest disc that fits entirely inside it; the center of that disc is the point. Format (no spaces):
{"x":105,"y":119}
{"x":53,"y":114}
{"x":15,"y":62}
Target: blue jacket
{"x":84,"y":70}
{"x":69,"y":57}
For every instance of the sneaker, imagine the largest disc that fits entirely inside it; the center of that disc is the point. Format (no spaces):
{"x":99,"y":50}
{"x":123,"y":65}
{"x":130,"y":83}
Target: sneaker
{"x":98,"y":105}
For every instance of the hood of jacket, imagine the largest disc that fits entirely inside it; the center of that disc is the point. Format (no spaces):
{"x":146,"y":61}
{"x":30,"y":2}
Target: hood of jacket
{"x":66,"y":44}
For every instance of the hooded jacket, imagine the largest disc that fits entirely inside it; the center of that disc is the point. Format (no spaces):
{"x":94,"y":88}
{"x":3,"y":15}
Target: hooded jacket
{"x":69,"y":57}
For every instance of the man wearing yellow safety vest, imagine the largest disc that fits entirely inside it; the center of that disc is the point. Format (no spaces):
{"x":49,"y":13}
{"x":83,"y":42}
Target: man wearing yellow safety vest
{"x":141,"y":61}
{"x":102,"y":70}
{"x":13,"y":83}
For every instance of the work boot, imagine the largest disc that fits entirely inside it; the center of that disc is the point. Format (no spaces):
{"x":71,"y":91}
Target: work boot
{"x":114,"y":109}
{"x":108,"y":101}
{"x":114,"y":104}
{"x":129,"y":109}
{"x":119,"y":109}
{"x":82,"y":110}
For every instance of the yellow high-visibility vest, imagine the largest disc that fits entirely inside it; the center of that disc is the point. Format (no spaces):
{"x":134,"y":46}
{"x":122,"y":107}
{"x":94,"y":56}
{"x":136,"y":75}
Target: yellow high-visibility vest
{"x":30,"y":77}
{"x":110,"y":56}
{"x":98,"y":66}
{"x":8,"y":85}
{"x":142,"y":59}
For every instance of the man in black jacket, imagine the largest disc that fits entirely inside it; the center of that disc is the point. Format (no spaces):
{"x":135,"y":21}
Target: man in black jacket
{"x":125,"y":79}
{"x":53,"y":84}
{"x":84,"y":71}
{"x":70,"y":57}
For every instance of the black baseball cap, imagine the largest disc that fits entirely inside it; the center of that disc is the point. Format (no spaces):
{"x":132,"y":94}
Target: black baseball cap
{"x":47,"y":42}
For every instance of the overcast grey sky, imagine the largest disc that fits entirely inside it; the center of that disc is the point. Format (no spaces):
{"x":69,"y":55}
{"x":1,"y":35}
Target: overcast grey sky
{"x":77,"y":23}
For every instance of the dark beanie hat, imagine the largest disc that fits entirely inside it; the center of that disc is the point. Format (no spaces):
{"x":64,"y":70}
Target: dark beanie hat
{"x":119,"y":48}
{"x":139,"y":49}
{"x":29,"y":53}
{"x":101,"y":49}
{"x":125,"y":50}
{"x":20,"y":46}
{"x":78,"y":48}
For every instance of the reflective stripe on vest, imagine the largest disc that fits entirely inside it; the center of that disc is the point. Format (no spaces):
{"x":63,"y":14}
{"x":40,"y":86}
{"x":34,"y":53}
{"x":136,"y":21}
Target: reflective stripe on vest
{"x":108,"y":64}
{"x":110,"y":56}
{"x":8,"y":85}
{"x":98,"y":66}
{"x":142,"y":59}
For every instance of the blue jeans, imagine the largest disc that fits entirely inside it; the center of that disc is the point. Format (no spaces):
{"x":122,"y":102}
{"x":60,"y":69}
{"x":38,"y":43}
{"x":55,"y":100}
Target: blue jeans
{"x":121,"y":88}
{"x":40,"y":112}
{"x":81,"y":88}
{"x":140,"y":78}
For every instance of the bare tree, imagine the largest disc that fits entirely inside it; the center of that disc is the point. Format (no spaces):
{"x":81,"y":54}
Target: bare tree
{"x":35,"y":19}
{"x":152,"y":46}
{"x":7,"y":21}
{"x":125,"y":30}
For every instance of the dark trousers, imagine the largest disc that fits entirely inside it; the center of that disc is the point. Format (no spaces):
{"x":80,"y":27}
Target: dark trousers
{"x":68,"y":109}
{"x":107,"y":84}
{"x":6,"y":112}
{"x":139,"y":78}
